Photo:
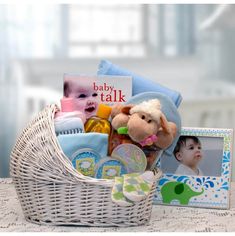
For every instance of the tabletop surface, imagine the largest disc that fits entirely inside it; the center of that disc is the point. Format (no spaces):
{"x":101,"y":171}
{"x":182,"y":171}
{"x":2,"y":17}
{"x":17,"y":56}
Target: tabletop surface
{"x":163,"y":218}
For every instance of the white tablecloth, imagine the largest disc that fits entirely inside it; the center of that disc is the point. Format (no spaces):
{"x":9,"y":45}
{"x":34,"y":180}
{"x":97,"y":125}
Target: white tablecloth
{"x":164,"y":218}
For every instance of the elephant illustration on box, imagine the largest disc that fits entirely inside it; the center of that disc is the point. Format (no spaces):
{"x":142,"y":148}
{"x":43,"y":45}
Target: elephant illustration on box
{"x":178,"y":191}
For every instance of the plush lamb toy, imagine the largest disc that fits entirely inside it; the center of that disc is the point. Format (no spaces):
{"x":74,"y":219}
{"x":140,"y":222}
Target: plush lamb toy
{"x":145,"y":123}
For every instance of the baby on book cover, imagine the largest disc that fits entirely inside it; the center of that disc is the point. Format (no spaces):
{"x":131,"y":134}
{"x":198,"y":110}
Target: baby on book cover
{"x":89,"y":91}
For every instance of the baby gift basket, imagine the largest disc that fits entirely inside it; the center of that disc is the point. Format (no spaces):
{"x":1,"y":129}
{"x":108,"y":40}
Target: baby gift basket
{"x":51,"y":191}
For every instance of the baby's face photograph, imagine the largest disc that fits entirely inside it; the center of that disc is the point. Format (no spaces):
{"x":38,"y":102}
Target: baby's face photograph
{"x":204,"y":153}
{"x":86,"y":99}
{"x":190,"y":153}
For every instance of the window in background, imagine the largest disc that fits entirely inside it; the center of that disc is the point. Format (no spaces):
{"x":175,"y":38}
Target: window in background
{"x":29,"y":31}
{"x":167,"y":30}
{"x":172,"y":29}
{"x":217,"y":43}
{"x":106,"y":30}
{"x":26,"y":32}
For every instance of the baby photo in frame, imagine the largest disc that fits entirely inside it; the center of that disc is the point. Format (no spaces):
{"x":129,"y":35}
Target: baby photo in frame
{"x":198,"y":173}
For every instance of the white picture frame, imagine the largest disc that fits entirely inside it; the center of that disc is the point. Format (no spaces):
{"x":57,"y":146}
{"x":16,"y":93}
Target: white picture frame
{"x":210,"y":190}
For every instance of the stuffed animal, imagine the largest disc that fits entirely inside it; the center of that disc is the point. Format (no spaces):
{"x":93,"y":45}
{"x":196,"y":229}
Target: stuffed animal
{"x":120,"y":117}
{"x":144,"y":123}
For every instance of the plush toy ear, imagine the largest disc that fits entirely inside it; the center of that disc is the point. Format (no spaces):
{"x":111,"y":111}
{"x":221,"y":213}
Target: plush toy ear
{"x":116,"y":109}
{"x":164,"y":124}
{"x":126,"y":109}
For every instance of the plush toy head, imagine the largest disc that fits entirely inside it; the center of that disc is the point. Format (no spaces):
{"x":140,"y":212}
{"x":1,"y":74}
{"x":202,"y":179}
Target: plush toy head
{"x":144,"y":120}
{"x":146,"y":124}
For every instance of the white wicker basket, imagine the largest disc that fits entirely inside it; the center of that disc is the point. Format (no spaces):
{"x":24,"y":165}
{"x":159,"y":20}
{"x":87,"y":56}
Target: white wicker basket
{"x":52,"y":192}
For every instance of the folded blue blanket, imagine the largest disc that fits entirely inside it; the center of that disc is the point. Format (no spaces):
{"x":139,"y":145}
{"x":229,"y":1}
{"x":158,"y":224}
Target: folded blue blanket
{"x":140,"y":84}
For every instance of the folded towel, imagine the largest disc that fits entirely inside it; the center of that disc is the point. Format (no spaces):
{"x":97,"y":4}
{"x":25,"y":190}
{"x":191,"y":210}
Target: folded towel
{"x":68,"y":125}
{"x":140,"y":84}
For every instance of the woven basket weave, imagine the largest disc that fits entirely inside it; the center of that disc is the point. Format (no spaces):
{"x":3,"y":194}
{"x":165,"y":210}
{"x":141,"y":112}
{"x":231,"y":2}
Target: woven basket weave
{"x":52,"y":192}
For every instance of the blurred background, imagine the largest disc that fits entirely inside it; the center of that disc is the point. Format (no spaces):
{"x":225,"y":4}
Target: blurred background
{"x":188,"y":48}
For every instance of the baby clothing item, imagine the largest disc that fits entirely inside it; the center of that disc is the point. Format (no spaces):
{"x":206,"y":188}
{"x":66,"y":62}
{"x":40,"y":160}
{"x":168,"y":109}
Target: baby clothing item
{"x":131,"y":188}
{"x":140,"y":84}
{"x":68,"y":123}
{"x":70,"y":143}
{"x":68,"y":120}
{"x":68,"y":106}
{"x":185,"y":170}
{"x":117,"y":193}
{"x":136,"y":187}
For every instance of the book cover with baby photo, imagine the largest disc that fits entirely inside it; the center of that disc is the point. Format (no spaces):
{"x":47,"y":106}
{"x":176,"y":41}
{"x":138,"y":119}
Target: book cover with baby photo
{"x":89,"y":91}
